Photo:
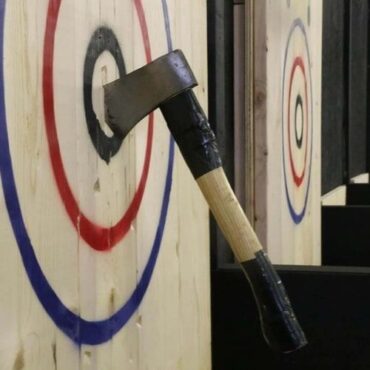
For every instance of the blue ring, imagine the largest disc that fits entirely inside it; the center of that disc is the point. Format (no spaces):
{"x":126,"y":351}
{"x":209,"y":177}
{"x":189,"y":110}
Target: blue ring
{"x":297,"y":217}
{"x":77,"y":329}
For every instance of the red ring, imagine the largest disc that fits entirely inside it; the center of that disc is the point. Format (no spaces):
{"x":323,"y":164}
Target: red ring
{"x":298,"y":179}
{"x":98,"y":237}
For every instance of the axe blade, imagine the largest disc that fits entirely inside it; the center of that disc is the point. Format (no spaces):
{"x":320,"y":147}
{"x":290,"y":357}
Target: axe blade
{"x":129,"y":99}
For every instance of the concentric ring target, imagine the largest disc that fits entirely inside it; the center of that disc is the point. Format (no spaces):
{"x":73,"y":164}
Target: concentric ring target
{"x":297,"y":121}
{"x":98,"y":237}
{"x":79,"y":330}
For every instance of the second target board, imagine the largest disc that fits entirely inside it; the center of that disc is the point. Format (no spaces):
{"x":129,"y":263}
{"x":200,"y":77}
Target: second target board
{"x":297,"y":121}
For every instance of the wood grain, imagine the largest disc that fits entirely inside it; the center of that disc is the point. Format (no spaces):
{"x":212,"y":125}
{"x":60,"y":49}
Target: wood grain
{"x":171,"y":328}
{"x":229,"y":214}
{"x":287,"y":241}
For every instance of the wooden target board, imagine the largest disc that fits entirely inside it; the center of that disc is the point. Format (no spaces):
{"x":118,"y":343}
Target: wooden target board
{"x":104,"y":242}
{"x":288,"y":129}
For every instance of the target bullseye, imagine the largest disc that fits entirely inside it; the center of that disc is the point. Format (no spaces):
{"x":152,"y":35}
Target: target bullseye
{"x":103,"y":39}
{"x":298,"y":121}
{"x":78,"y":329}
{"x":98,"y":237}
{"x":297,"y":124}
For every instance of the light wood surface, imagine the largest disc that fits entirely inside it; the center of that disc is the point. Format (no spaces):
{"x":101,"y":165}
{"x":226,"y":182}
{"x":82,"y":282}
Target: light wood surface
{"x":335,"y":197}
{"x":229,"y":214}
{"x":288,"y":239}
{"x":240,"y":154}
{"x":361,"y":179}
{"x":249,"y":89}
{"x":171,"y":328}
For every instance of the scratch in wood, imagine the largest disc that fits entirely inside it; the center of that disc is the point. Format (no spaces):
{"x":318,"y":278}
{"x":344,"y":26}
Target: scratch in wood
{"x":112,"y":299}
{"x":78,"y":226}
{"x":87,"y":355}
{"x":19,"y":360}
{"x":54,"y":349}
{"x":97,"y":186}
{"x":260,"y":98}
{"x":139,"y":322}
{"x":178,"y":249}
{"x":74,"y":309}
{"x":104,"y":74}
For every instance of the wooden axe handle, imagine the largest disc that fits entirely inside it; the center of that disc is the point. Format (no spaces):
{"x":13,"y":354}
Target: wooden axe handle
{"x":229,"y":215}
{"x":192,"y":132}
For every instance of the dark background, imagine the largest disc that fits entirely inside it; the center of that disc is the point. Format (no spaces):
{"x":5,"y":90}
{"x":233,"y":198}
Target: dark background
{"x":332,"y":302}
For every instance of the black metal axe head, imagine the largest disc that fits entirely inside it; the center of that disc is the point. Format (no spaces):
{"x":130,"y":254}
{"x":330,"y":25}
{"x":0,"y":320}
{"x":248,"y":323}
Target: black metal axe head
{"x":130,"y":98}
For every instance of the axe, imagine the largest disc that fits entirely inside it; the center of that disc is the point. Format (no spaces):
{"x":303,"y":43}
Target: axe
{"x":167,"y":83}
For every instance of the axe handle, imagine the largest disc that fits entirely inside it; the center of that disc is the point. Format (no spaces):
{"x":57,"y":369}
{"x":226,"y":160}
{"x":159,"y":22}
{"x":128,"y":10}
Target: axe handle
{"x":229,"y":214}
{"x":279,"y":324}
{"x":190,"y":128}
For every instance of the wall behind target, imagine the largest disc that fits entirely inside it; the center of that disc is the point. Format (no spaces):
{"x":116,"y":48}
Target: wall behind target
{"x":82,"y":215}
{"x":288,"y":129}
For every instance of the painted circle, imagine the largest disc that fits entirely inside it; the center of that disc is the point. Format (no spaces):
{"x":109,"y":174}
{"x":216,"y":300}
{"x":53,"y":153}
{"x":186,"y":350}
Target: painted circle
{"x":298,"y":122}
{"x":297,"y":148}
{"x":97,"y":237}
{"x":103,"y":39}
{"x":79,"y":330}
{"x":298,"y":65}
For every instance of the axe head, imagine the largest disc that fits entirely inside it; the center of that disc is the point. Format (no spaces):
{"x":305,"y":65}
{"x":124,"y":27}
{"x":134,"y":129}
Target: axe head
{"x":130,"y":98}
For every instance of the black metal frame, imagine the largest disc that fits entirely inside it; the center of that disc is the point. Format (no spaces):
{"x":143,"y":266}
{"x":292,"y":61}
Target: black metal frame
{"x":221,"y":108}
{"x":345,"y":87}
{"x":332,"y":303}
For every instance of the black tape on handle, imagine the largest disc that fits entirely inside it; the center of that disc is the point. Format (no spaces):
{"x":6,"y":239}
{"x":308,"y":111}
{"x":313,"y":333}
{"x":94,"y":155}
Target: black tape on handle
{"x":192,"y":132}
{"x":279,"y":324}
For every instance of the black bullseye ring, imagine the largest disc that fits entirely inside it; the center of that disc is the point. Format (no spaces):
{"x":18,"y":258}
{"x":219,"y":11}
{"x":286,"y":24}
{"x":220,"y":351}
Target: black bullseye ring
{"x":298,"y":137}
{"x":103,"y":39}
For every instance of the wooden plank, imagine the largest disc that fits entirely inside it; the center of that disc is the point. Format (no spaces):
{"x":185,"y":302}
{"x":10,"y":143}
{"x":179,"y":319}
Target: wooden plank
{"x":249,"y":90}
{"x":363,"y":178}
{"x":350,"y":194}
{"x":240,"y":154}
{"x":89,"y":294}
{"x":177,"y":284}
{"x":335,"y":197}
{"x":287,"y":123}
{"x":260,"y":126}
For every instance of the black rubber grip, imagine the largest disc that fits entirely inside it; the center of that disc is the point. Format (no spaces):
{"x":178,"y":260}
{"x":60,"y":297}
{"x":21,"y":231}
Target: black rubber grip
{"x":279,"y":324}
{"x":190,"y":128}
